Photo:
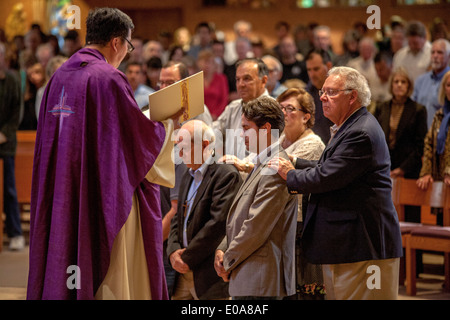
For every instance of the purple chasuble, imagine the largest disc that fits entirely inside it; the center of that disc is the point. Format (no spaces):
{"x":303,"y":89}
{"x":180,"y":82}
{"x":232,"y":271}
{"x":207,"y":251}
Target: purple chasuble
{"x":93,"y":149}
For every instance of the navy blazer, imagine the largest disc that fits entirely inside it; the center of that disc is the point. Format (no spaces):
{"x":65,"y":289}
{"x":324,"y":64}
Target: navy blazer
{"x":350,"y":215}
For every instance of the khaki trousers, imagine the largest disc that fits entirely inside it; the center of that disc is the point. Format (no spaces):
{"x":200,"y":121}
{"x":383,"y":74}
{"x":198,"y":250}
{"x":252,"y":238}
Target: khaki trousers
{"x":363,"y":280}
{"x":184,"y":287}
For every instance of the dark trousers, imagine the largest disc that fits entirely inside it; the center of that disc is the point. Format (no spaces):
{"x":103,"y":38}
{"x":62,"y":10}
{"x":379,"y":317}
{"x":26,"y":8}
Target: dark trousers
{"x":10,"y":206}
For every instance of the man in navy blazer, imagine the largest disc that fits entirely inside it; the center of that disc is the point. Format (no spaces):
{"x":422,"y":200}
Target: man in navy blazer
{"x":351,"y":226}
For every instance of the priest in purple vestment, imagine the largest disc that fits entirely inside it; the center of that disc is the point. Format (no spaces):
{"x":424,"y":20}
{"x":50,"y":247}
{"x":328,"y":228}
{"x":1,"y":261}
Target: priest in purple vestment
{"x":94,"y":150}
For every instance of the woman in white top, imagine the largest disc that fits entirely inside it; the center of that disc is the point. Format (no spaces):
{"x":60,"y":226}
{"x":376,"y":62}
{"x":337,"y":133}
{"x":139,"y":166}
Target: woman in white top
{"x":300,"y":141}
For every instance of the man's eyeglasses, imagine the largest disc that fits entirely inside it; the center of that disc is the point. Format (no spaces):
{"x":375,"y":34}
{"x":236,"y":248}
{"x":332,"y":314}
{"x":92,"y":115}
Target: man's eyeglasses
{"x":165,"y":83}
{"x":332,"y":92}
{"x":130,"y":45}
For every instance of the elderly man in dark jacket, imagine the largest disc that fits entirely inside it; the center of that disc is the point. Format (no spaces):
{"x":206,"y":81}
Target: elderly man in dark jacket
{"x":351,"y":226}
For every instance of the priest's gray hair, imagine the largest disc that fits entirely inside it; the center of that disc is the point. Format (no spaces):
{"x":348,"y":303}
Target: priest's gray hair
{"x":355,"y":81}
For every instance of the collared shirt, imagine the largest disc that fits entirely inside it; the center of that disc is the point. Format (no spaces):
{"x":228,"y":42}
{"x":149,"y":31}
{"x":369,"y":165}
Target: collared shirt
{"x":416,"y":64}
{"x":229,"y":123}
{"x":141,"y":95}
{"x":279,"y":89}
{"x":366,"y":68}
{"x":426,"y":91}
{"x":196,"y":182}
{"x":335,"y":128}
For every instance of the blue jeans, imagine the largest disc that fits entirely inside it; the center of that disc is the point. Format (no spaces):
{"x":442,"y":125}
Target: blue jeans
{"x":10,"y":205}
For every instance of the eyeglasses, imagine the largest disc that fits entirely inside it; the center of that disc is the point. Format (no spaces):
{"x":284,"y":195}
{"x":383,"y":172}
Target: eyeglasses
{"x":165,"y":83}
{"x":289,"y":109}
{"x":130,"y":45}
{"x":332,"y":92}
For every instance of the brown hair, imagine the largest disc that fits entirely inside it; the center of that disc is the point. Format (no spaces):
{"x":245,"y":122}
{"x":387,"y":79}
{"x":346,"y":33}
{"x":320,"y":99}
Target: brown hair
{"x":264,"y":109}
{"x":402,"y":72}
{"x":304,"y":99}
{"x":205,"y":54}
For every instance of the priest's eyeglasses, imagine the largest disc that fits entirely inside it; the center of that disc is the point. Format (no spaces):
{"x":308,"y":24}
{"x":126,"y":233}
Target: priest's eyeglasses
{"x":130,"y":45}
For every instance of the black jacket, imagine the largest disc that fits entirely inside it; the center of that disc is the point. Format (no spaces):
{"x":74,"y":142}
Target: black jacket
{"x":9,"y":113}
{"x":412,"y":128}
{"x":206,"y":226}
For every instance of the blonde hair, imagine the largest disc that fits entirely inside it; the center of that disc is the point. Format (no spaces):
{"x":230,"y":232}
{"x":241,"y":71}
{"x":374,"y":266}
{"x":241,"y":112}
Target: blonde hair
{"x":441,"y":95}
{"x":205,"y":54}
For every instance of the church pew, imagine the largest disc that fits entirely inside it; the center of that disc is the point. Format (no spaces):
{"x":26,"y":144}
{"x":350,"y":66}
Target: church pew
{"x":425,"y":235}
{"x":405,"y":192}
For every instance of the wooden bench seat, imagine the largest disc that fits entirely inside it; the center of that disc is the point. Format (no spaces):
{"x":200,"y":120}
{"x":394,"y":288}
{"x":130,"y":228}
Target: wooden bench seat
{"x":425,"y":235}
{"x":405,"y":192}
{"x":430,"y":238}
